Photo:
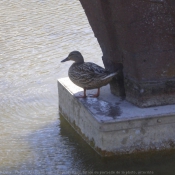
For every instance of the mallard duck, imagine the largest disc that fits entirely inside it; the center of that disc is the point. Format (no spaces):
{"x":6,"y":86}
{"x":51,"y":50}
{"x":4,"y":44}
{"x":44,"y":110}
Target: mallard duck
{"x":86,"y":74}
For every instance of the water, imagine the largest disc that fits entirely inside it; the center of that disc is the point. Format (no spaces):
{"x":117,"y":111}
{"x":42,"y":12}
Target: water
{"x":35,"y":36}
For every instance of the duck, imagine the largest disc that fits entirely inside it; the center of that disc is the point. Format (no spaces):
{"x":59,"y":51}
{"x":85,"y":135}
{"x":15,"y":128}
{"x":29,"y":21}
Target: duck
{"x":87,"y":75}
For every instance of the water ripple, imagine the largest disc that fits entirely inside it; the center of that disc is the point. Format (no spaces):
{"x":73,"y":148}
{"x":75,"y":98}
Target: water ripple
{"x":34,"y":37}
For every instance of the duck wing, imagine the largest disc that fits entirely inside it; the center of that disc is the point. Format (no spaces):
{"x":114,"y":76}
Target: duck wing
{"x":86,"y":73}
{"x":93,"y":70}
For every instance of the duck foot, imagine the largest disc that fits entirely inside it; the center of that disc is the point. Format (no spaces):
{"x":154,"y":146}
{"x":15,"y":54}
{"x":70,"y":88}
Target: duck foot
{"x":95,"y":95}
{"x":89,"y":95}
{"x":82,"y":96}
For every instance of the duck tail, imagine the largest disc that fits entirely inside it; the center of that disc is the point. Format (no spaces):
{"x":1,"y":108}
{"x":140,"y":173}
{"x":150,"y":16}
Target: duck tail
{"x":110,"y":75}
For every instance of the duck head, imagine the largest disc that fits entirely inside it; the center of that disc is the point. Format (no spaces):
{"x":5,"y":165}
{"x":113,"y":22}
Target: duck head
{"x":74,"y":56}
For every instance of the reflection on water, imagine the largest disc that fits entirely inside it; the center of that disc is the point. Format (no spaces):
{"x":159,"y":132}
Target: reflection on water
{"x":160,"y":163}
{"x":35,"y":36}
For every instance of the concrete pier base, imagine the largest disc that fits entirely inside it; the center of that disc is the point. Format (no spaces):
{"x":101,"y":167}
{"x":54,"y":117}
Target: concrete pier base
{"x":114,"y":126}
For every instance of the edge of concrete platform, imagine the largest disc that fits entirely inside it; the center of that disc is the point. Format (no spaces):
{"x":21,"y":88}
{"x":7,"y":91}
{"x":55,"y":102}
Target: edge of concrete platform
{"x":111,"y":126}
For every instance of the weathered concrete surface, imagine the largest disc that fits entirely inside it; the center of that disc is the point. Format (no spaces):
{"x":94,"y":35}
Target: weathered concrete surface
{"x":114,"y":126}
{"x":139,"y":35}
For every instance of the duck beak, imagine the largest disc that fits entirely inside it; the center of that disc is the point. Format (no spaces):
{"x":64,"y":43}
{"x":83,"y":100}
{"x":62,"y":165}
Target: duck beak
{"x":66,"y":59}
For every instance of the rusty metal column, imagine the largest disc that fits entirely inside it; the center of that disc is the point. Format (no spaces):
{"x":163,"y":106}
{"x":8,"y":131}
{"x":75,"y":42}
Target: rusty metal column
{"x":137,"y":38}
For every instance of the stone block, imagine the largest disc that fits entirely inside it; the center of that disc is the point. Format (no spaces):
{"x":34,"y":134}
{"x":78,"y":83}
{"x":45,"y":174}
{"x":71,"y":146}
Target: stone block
{"x":113,"y":126}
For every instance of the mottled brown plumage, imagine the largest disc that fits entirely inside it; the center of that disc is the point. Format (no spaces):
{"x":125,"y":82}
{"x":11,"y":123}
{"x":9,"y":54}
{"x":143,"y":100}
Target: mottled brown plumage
{"x":86,"y":74}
